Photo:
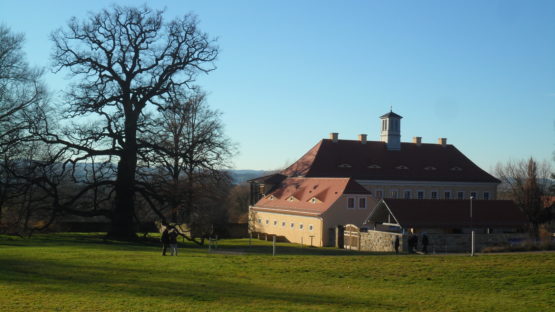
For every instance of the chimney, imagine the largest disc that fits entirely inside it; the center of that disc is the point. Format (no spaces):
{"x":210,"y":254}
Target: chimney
{"x":417,"y":140}
{"x":362,"y":138}
{"x":442,"y":141}
{"x":334,"y":137}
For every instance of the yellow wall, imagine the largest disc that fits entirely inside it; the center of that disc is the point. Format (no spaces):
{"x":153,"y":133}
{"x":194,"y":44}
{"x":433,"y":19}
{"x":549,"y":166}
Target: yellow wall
{"x":293,"y":234}
{"x":337,"y":214}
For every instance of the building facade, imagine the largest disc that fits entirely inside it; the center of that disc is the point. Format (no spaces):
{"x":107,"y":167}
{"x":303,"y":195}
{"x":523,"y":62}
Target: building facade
{"x":385,"y":169}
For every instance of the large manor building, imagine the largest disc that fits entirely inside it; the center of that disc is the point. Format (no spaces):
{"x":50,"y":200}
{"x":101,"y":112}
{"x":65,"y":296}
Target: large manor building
{"x":339,"y":182}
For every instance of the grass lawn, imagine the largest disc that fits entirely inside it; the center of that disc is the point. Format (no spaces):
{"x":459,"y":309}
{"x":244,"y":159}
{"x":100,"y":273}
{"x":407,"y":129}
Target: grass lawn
{"x":81,"y":272}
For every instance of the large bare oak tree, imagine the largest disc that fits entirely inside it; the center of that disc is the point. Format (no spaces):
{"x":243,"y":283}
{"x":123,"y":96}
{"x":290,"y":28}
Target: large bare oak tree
{"x":125,"y":62}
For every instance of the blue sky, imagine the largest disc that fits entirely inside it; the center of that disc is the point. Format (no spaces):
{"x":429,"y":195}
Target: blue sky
{"x":480,"y":73}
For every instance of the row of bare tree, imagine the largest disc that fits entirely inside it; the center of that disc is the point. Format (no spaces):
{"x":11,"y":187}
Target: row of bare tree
{"x":131,"y":138}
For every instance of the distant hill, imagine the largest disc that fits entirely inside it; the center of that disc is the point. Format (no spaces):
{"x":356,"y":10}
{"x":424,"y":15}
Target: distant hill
{"x":241,"y":176}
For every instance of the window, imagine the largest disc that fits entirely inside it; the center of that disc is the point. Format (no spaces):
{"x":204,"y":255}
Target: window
{"x":486,"y":195}
{"x":447,"y":195}
{"x":275,"y":222}
{"x":283,"y":223}
{"x":259,"y":221}
{"x":310,"y":227}
{"x":350,"y":203}
{"x":362,"y":203}
{"x":473,"y":195}
{"x":379,"y":194}
{"x":394,"y":194}
{"x":301,"y":226}
{"x":420,"y":194}
{"x":434,"y":195}
{"x":267,"y":221}
{"x":292,"y":225}
{"x":460,"y":195}
{"x":313,"y":200}
{"x":407,"y":195}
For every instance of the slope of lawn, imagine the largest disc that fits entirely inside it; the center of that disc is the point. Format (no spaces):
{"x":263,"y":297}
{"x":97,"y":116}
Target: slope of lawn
{"x":81,"y":272}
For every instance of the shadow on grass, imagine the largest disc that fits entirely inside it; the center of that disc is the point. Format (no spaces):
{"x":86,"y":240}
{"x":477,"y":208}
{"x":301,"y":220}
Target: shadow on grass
{"x":92,"y":281}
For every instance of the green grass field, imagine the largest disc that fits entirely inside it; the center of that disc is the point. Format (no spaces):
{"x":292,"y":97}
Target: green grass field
{"x":81,"y":272}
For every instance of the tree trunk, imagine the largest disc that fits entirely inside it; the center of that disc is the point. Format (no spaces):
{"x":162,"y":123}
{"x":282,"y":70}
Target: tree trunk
{"x":123,"y":226}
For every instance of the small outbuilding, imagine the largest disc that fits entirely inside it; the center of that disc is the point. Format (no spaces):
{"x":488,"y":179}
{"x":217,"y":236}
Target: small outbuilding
{"x":446,"y":223}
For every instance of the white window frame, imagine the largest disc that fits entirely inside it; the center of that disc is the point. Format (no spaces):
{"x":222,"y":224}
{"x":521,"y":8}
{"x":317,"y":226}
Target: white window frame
{"x":396,"y":194}
{"x":358,"y":202}
{"x":354,"y":202}
{"x":418,"y":194}
{"x":301,"y":226}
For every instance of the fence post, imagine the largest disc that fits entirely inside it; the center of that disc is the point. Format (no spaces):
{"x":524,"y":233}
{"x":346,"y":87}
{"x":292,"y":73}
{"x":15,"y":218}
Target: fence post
{"x":274,"y":246}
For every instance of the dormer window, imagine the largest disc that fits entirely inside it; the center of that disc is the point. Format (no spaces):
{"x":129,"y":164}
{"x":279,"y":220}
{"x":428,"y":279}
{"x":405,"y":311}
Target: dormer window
{"x":291,"y":198}
{"x":402,"y":167}
{"x":430,"y":168}
{"x":314,"y":200}
{"x":456,"y":169}
{"x":344,"y":166}
{"x":374,"y":166}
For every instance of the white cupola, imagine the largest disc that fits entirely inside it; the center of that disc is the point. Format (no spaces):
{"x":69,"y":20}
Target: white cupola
{"x":391,"y":131}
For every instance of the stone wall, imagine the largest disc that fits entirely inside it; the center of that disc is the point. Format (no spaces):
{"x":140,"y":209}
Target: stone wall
{"x":462,"y":242}
{"x":440,"y":243}
{"x":381,"y":241}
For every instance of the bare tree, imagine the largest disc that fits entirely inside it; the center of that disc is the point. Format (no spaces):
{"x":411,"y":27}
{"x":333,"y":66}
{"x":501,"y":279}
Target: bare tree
{"x":20,"y":89}
{"x":527,"y":182}
{"x":189,"y":152}
{"x":125,"y":62}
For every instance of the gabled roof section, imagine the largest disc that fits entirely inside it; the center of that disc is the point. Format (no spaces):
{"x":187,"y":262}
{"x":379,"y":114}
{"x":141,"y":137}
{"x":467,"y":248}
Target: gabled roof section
{"x":450,"y":213}
{"x":326,"y":190}
{"x":302,"y":166}
{"x":373,"y":161}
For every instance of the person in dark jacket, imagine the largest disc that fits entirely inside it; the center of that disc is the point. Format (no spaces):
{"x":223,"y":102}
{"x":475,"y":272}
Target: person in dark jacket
{"x":425,"y":242}
{"x":165,"y":238}
{"x":396,"y":244}
{"x":173,"y":242}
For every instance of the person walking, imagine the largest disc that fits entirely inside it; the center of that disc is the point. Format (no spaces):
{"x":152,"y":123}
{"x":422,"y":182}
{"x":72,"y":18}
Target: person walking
{"x":165,"y":239}
{"x":396,"y":244}
{"x":173,"y":242}
{"x":425,"y":242}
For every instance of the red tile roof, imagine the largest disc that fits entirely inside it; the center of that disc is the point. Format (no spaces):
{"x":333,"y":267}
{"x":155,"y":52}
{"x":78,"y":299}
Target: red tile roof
{"x":373,"y":161}
{"x":294,"y":195}
{"x":455,"y":213}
